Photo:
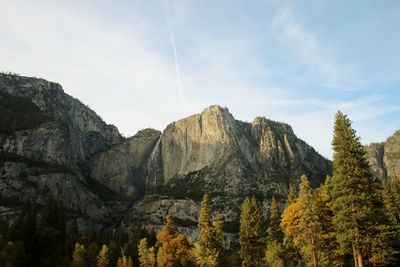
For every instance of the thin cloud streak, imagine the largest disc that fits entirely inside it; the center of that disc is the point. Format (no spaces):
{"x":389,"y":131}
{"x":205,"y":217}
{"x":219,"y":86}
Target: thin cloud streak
{"x":175,"y":53}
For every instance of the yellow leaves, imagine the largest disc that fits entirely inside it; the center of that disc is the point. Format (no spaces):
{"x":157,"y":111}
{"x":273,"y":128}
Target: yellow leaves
{"x":290,"y":219}
{"x":172,"y":250}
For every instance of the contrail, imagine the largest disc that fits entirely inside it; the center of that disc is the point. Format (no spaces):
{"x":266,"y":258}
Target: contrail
{"x":173,"y":45}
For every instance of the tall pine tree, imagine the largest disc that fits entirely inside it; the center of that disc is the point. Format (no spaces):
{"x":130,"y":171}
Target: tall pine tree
{"x":355,"y":202}
{"x":207,"y":249}
{"x":251,"y":233}
{"x":274,"y":253}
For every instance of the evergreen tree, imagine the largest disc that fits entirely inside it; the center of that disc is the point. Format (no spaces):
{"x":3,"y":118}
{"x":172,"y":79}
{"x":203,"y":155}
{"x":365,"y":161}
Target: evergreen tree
{"x":274,"y":253}
{"x":292,"y":195}
{"x":124,"y":261}
{"x":251,"y":233}
{"x":355,"y":202}
{"x":146,"y":254}
{"x":391,"y":199}
{"x":102,"y":258}
{"x":79,"y":256}
{"x":306,"y":222}
{"x":292,"y":255}
{"x":274,"y":232}
{"x":173,"y":250}
{"x":207,"y":249}
{"x":390,"y":234}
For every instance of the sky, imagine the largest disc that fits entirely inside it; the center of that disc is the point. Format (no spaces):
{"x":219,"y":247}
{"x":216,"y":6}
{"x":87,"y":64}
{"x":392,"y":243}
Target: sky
{"x":147,"y":63}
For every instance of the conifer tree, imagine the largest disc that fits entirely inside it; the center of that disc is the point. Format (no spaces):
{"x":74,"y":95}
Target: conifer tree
{"x":306,"y":222}
{"x":124,"y":261}
{"x":103,"y":258}
{"x":173,"y":250}
{"x":274,"y":232}
{"x":391,"y":199}
{"x":79,"y":256}
{"x":207,"y":249}
{"x":146,"y":254}
{"x":354,"y":196}
{"x":251,"y":233}
{"x":292,"y":195}
{"x":274,"y":253}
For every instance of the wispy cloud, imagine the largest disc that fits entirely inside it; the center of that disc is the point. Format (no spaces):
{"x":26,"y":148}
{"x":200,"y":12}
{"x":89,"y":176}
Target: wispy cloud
{"x":314,"y":54}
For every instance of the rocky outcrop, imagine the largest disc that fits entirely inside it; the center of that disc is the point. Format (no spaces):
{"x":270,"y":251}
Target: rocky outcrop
{"x":124,"y":167}
{"x":384,"y":158}
{"x":88,"y":133}
{"x":215,"y":153}
{"x":46,"y":138}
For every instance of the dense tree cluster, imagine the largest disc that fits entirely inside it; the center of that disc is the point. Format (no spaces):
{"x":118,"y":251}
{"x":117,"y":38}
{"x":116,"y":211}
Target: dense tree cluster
{"x":350,"y":220}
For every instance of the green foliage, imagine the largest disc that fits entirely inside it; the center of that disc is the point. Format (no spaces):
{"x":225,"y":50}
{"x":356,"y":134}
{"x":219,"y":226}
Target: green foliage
{"x":275,"y":254}
{"x":251,"y":233}
{"x":274,"y":232}
{"x":307,"y":222}
{"x":355,"y":200}
{"x":391,"y":199}
{"x":207,"y":249}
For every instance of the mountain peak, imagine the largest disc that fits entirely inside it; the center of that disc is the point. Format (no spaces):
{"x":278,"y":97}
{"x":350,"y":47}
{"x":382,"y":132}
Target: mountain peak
{"x":216,"y":108}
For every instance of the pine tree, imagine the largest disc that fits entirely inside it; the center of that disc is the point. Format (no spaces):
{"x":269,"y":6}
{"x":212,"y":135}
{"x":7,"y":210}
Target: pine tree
{"x":291,"y":196}
{"x":251,"y":233}
{"x":207,"y":249}
{"x":274,"y":253}
{"x":354,"y":197}
{"x":274,"y":232}
{"x":390,"y":234}
{"x":391,"y":199}
{"x":146,"y":254}
{"x":103,"y":258}
{"x":173,"y":250}
{"x":79,"y":256}
{"x":124,"y":261}
{"x":306,"y":222}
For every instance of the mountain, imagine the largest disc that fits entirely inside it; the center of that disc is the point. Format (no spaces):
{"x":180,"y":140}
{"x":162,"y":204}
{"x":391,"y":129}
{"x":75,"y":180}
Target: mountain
{"x":384,"y":158}
{"x":52,"y":145}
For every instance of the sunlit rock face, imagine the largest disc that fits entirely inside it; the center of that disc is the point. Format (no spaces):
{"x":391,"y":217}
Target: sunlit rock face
{"x":384,"y":158}
{"x":52,"y":145}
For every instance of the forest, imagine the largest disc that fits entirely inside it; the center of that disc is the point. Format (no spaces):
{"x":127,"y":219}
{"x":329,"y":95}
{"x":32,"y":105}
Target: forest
{"x":352,"y":219}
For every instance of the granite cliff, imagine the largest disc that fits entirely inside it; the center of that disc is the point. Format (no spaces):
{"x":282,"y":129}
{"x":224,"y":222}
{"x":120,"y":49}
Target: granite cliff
{"x":52,"y":145}
{"x":384,"y":158}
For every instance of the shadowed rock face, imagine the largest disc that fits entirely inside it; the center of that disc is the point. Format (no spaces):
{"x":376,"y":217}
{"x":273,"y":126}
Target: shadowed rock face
{"x":53,"y":145}
{"x":384,"y":158}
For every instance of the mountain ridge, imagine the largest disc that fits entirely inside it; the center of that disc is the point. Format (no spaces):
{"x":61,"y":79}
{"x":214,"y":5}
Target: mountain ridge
{"x":115,"y":181}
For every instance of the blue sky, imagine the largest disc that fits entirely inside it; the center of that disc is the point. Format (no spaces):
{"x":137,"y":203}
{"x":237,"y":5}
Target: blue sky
{"x":147,"y":63}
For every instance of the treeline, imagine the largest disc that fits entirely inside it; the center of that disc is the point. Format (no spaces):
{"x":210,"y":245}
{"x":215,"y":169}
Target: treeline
{"x":350,"y":220}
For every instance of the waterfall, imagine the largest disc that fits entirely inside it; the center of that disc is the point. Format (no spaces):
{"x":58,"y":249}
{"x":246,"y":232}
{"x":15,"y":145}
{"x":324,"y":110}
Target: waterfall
{"x":151,"y":168}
